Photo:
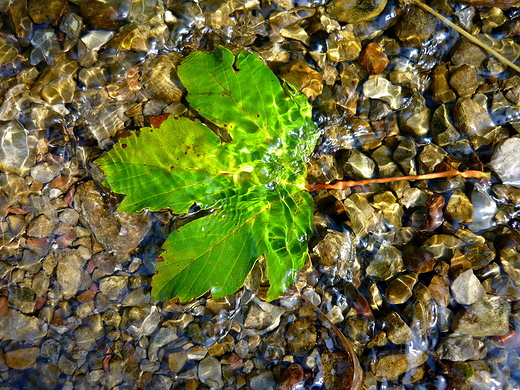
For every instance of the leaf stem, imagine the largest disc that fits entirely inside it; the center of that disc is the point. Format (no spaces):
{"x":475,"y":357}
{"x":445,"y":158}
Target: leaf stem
{"x":341,"y":185}
{"x":466,"y":34}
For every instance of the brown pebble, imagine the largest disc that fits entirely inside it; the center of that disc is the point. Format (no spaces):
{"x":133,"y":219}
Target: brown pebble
{"x":22,"y":359}
{"x":373,"y":59}
{"x":4,"y":306}
{"x":100,"y":15}
{"x":45,"y":11}
{"x":86,"y":296}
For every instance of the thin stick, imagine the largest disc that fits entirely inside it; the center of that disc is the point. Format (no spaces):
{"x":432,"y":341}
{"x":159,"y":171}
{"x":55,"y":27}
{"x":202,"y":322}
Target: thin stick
{"x":341,"y":185}
{"x":466,"y":34}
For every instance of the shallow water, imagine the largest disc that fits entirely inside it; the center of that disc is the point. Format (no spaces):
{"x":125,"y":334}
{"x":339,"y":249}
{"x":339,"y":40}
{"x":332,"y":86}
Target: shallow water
{"x":422,"y":277}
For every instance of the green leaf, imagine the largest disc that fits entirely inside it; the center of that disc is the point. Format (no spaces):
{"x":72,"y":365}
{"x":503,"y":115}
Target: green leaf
{"x":254,"y":185}
{"x":170,"y":167}
{"x":206,"y":251}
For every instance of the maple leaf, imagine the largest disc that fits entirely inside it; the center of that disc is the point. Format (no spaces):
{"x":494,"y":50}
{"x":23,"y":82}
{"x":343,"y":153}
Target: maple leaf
{"x":254,"y":185}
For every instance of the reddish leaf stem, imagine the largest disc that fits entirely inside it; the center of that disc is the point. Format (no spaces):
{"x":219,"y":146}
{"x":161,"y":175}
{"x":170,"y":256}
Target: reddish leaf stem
{"x":341,"y":185}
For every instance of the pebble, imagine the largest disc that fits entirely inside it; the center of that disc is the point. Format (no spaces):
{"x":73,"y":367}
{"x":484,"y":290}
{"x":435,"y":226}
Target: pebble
{"x":262,"y":381}
{"x":210,"y":372}
{"x":391,"y":366}
{"x":487,"y":317}
{"x":70,"y":271}
{"x":352,"y":11}
{"x":505,"y":161}
{"x":373,"y":58}
{"x":301,"y":336}
{"x":456,"y":348}
{"x":45,"y":11}
{"x":398,"y":332}
{"x":466,"y":288}
{"x":464,"y":80}
{"x":415,"y":26}
{"x":17,"y":326}
{"x":22,"y":359}
{"x":113,"y":286}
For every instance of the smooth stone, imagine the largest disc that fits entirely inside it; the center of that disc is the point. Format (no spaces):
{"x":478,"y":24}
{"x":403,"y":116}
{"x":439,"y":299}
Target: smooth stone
{"x":487,"y":317}
{"x":40,"y":227}
{"x":467,"y":53}
{"x":210,"y":372}
{"x":415,"y":26}
{"x":389,"y":367}
{"x":70,"y":272}
{"x":471,"y":118}
{"x":377,"y":87}
{"x":373,"y":58}
{"x":355,"y":11}
{"x":177,"y":360}
{"x":457,"y":348}
{"x":113,"y":286}
{"x":464,"y":80}
{"x":467,"y":289}
{"x":100,"y":15}
{"x":397,"y":331}
{"x":19,"y":327}
{"x":263,"y":381}
{"x":118,"y":231}
{"x":22,"y":359}
{"x":45,"y":11}
{"x":505,"y":161}
{"x":301,"y":336}
{"x":459,"y":208}
{"x":263,"y":317}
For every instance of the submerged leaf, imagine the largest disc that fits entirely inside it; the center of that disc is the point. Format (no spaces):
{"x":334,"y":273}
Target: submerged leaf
{"x":254,"y":185}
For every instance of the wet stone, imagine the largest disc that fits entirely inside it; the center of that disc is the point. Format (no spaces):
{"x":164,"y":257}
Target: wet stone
{"x":393,"y":365}
{"x":22,"y":359}
{"x":69,"y":272}
{"x":337,"y":370}
{"x":40,"y":227}
{"x":119,"y":232}
{"x":22,"y":298}
{"x":210,"y":372}
{"x":351,"y":11}
{"x":45,"y":11}
{"x":301,"y":336}
{"x":397,"y":331}
{"x":359,"y":165}
{"x":100,"y":15}
{"x":466,"y":288}
{"x":464,"y":80}
{"x":343,"y":46}
{"x":401,"y":288}
{"x":377,"y":87}
{"x":487,"y":317}
{"x":415,"y":26}
{"x":440,"y":289}
{"x":467,"y":53}
{"x":442,"y":93}
{"x":113,"y":286}
{"x":373,"y":59}
{"x":19,"y":327}
{"x":457,"y":348}
{"x":263,"y":317}
{"x":263,"y":381}
{"x":387,"y":262}
{"x":177,"y":360}
{"x":459,"y":208}
{"x":505,"y":161}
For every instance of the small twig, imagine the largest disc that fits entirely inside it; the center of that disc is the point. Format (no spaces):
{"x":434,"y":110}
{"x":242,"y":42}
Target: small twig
{"x":341,"y":185}
{"x":466,"y":34}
